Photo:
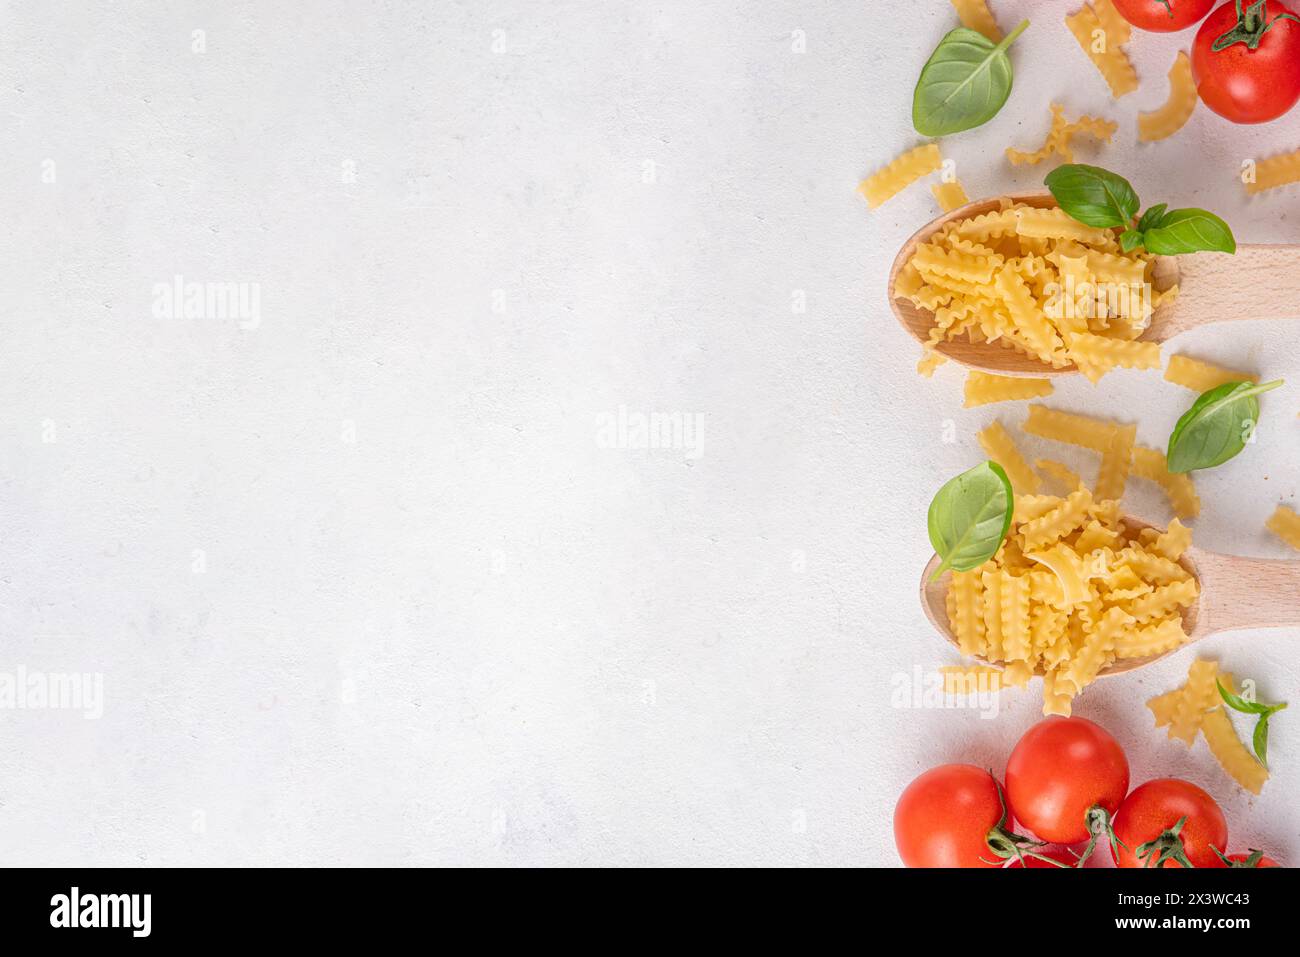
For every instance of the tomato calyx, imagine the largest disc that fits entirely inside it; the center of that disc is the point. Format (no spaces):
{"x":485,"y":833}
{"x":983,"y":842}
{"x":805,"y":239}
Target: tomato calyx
{"x":1252,"y":861}
{"x":1166,"y":5}
{"x":1006,"y":844}
{"x":1167,"y":847}
{"x":1252,"y":23}
{"x":1099,"y":824}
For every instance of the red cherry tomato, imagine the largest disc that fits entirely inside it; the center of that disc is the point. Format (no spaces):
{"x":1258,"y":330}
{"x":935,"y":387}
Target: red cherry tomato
{"x":1161,"y":17}
{"x":944,"y":818}
{"x":1058,"y":772}
{"x":1148,"y":825}
{"x":1244,"y":860}
{"x":1245,"y":84}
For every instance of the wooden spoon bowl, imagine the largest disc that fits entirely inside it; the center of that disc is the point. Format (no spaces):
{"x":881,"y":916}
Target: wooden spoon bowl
{"x":1213,"y":287}
{"x":1236,"y":593}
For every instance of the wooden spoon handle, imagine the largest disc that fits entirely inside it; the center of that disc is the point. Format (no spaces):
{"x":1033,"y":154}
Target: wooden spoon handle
{"x":1259,"y":282}
{"x":1241,"y":592}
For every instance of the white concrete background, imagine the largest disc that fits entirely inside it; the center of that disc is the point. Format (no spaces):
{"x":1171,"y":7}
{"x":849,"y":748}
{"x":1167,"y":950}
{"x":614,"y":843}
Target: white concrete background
{"x":473,"y":635}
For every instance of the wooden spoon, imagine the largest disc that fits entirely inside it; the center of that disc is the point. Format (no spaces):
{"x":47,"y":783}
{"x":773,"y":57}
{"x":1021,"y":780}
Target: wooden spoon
{"x":1259,"y":282}
{"x":1236,"y":593}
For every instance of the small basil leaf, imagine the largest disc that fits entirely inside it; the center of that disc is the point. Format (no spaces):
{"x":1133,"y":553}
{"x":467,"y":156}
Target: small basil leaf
{"x":1261,"y":740}
{"x":1217,"y":426}
{"x":969,"y":518}
{"x":964,"y":83}
{"x":1190,"y":231}
{"x":1238,"y":703}
{"x":1094,"y":196}
{"x":1151,"y":218}
{"x":1130,"y":240}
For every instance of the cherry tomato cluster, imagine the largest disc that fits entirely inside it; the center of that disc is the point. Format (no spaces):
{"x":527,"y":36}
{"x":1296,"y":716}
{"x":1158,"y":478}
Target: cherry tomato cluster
{"x":1246,"y":56}
{"x":1066,"y":782}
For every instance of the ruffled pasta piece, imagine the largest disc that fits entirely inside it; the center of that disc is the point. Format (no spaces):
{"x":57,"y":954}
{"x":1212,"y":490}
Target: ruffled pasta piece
{"x":1097,"y":646}
{"x":901,"y":173}
{"x":1151,"y":465}
{"x":1013,"y":603}
{"x":1096,"y":355}
{"x":993,"y":639}
{"x":1103,"y":49}
{"x":984,"y":389}
{"x":950,"y":195}
{"x":931,"y":261}
{"x":1070,"y":428}
{"x":1058,"y":693}
{"x":1056,"y":524}
{"x":1116,"y":462}
{"x":1170,"y":118}
{"x":1118,"y":30}
{"x":1059,"y":138}
{"x":988,"y":226}
{"x":1274,"y":172}
{"x":1200,"y":376}
{"x":975,"y":14}
{"x":1028,"y":316}
{"x":1029,"y":507}
{"x":929,"y":362}
{"x":1067,"y":565}
{"x":1231,"y":753}
{"x":999,"y":446}
{"x":1165,"y":600}
{"x":1096,"y":535}
{"x":1058,"y":224}
{"x":971,"y":679}
{"x":1060,"y":472}
{"x":1150,"y":640}
{"x":1018,"y":673}
{"x":1285,"y":524}
{"x":966,"y":612}
{"x":1152,"y":568}
{"x":1164,"y":707}
{"x":1200,"y":694}
{"x":1172,"y":542}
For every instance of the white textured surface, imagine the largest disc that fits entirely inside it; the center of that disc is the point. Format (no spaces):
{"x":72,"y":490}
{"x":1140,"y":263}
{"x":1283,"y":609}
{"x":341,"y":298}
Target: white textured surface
{"x":474,"y":635}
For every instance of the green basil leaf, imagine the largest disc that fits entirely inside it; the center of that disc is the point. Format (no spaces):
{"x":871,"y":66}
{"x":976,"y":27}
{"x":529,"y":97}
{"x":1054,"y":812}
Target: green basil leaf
{"x":1261,"y":740}
{"x":1151,"y":218}
{"x":1130,"y":240}
{"x":1094,"y":196}
{"x":1217,"y":426}
{"x":1238,"y":703}
{"x":964,"y":83}
{"x":970,"y":516}
{"x":1189,"y":231}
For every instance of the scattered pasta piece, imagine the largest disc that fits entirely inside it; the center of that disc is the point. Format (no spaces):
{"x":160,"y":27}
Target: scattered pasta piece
{"x":1231,"y":754}
{"x":929,"y":362}
{"x":950,"y":195}
{"x":1059,"y":138}
{"x":999,"y":446}
{"x":1274,"y":172}
{"x":975,"y":14}
{"x":1066,"y":476}
{"x":1070,"y":428}
{"x":1040,"y":282}
{"x":1198,"y":696}
{"x":1170,"y":118}
{"x":1150,"y":464}
{"x":1118,"y":30}
{"x":1285,"y":524}
{"x":1200,"y":376}
{"x":1102,"y":47}
{"x":1116,"y":462}
{"x":983,"y":389}
{"x":901,"y":173}
{"x":1053,"y":602}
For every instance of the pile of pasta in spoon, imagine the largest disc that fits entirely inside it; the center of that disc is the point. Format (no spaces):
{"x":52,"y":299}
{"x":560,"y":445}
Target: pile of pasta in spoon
{"x":1039,"y":282}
